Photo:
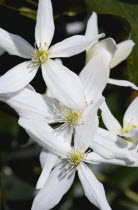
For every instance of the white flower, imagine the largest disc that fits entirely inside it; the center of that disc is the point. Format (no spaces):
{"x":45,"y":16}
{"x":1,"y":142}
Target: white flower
{"x":65,"y":161}
{"x":58,"y":154}
{"x":123,"y":50}
{"x":124,"y":137}
{"x":75,"y":107}
{"x":19,"y":76}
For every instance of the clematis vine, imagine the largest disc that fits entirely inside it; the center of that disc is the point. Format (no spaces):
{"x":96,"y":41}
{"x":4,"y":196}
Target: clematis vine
{"x":124,"y":137}
{"x":60,"y":161}
{"x":19,"y":76}
{"x":76,"y":111}
{"x":66,"y":161}
{"x":123,"y":50}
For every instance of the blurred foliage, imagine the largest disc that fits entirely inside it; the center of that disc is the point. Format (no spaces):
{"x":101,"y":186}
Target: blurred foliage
{"x":20,"y":168}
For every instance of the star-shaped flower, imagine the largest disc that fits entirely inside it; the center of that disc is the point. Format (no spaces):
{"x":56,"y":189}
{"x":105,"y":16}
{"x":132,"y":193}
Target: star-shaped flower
{"x":123,"y":50}
{"x":76,"y":107}
{"x":124,"y":137}
{"x":60,"y":161}
{"x":19,"y":76}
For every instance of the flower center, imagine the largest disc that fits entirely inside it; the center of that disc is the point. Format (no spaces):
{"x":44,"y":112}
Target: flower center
{"x":73,"y":117}
{"x":40,"y":56}
{"x":76,"y":158}
{"x":128,"y":128}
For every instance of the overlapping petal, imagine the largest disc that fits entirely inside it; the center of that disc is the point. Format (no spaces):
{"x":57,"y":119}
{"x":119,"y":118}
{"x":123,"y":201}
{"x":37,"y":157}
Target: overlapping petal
{"x":15,"y":45}
{"x":87,"y":128}
{"x":71,"y":46}
{"x":123,"y":83}
{"x":44,"y":135}
{"x":56,"y":186}
{"x":18,"y":77}
{"x":48,"y":162}
{"x":110,"y":146}
{"x":44,"y":29}
{"x":131,"y":114}
{"x":94,"y":77}
{"x":123,"y":50}
{"x":95,"y":158}
{"x":109,"y":120}
{"x":63,"y":84}
{"x":93,"y":189}
{"x":106,"y":47}
{"x":28,"y":104}
{"x":92,"y":28}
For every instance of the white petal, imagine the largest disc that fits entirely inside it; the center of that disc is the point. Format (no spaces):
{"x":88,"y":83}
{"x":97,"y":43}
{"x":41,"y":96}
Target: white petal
{"x":87,"y":127}
{"x":63,"y":84}
{"x":123,"y":83}
{"x":111,"y":146}
{"x":15,"y":45}
{"x":109,"y":120}
{"x":44,"y":29}
{"x":66,"y":133}
{"x":2,"y":51}
{"x":71,"y":46}
{"x":123,"y":50}
{"x":106,"y":47}
{"x":56,"y":186}
{"x":18,"y":77}
{"x":96,"y":158}
{"x":92,"y":28}
{"x":94,"y":77}
{"x":50,"y":161}
{"x":133,"y":134}
{"x":93,"y":189}
{"x":44,"y":135}
{"x":131,"y":114}
{"x":28,"y":104}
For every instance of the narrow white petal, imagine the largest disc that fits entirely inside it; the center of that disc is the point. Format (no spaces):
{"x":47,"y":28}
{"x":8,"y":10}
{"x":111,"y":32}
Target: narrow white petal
{"x":93,"y":189}
{"x":123,"y":51}
{"x":15,"y":45}
{"x":71,"y":46}
{"x":109,"y":120}
{"x":131,"y":114}
{"x":123,"y":83}
{"x":44,"y":29}
{"x":28,"y":104}
{"x":92,"y":28}
{"x":111,"y":146}
{"x":18,"y":77}
{"x":96,"y":158}
{"x":87,"y":127}
{"x":56,"y":186}
{"x":106,"y":47}
{"x":2,"y":51}
{"x":50,"y":161}
{"x":133,"y":134}
{"x":44,"y":135}
{"x":64,"y":84}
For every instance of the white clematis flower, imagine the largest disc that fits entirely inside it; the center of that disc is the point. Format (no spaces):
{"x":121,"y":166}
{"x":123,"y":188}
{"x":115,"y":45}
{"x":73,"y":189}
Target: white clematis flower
{"x":125,"y":137}
{"x":58,"y":174}
{"x":75,"y":107}
{"x":19,"y":76}
{"x":123,"y":51}
{"x":65,"y":161}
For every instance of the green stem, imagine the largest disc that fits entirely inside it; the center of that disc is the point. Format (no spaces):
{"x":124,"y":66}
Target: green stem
{"x":32,"y":2}
{"x":131,"y":194}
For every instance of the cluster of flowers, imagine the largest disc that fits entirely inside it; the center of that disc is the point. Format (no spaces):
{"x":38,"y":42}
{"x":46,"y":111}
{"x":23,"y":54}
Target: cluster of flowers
{"x":72,"y":102}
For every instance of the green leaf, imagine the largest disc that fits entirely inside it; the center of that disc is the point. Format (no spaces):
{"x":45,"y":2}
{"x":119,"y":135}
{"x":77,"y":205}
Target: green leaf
{"x":128,"y":11}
